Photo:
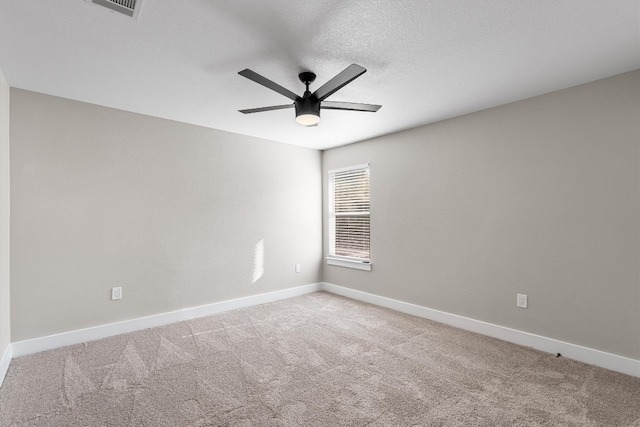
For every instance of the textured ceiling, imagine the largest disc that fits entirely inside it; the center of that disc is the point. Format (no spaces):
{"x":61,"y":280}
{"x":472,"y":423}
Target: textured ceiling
{"x":426,"y":60}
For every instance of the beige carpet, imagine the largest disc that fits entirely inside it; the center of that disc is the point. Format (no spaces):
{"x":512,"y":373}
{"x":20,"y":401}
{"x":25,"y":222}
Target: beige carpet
{"x":315,"y":360}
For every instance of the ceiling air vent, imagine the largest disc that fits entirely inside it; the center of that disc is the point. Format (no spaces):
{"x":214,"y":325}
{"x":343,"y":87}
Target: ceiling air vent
{"x":127,"y":7}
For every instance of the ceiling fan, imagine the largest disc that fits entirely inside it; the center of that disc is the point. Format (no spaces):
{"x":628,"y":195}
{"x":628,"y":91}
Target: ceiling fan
{"x":309,"y":104}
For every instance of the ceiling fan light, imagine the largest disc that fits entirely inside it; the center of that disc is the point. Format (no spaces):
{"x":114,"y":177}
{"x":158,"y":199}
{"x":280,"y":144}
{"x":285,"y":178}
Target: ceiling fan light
{"x":307,"y":110}
{"x":308,"y":119}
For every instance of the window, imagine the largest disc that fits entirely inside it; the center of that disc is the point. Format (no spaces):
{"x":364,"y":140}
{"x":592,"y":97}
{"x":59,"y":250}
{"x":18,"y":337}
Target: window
{"x":349,"y":224}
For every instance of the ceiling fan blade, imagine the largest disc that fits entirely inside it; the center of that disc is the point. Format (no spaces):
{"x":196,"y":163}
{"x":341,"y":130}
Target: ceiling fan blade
{"x":347,"y":75}
{"x":351,"y":106}
{"x":252,"y":75}
{"x":261,"y":109}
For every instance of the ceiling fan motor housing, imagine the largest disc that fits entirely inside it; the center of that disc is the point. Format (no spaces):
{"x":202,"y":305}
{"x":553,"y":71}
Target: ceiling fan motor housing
{"x":307,"y":106}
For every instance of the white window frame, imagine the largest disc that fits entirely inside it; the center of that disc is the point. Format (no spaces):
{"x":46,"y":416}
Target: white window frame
{"x":339,"y":260}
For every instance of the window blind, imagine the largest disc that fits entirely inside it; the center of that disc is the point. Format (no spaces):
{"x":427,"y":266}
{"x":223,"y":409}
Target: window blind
{"x":349,"y":212}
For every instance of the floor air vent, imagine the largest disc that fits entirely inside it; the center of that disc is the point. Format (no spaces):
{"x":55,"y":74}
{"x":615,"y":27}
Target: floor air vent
{"x":127,"y":7}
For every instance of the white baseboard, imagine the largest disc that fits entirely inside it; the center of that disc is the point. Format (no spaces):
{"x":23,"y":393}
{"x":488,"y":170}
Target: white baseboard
{"x":22,"y":348}
{"x":4,"y":362}
{"x":572,"y":351}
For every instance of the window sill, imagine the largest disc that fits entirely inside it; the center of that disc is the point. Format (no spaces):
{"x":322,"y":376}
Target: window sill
{"x":359,"y":265}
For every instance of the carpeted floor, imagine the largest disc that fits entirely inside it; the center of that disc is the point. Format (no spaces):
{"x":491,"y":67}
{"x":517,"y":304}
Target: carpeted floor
{"x":315,"y":360}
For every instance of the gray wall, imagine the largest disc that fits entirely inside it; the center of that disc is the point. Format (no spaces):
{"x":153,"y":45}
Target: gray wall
{"x":5,"y":320}
{"x":540,"y":197}
{"x":171,"y":212}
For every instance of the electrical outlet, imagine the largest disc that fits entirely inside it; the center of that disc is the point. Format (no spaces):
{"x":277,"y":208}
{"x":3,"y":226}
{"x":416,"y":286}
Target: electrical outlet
{"x":116,"y":293}
{"x":521,"y":301}
{"x":297,"y":268}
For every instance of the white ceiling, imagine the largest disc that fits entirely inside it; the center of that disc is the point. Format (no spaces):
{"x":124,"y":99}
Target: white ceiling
{"x":426,"y":60}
